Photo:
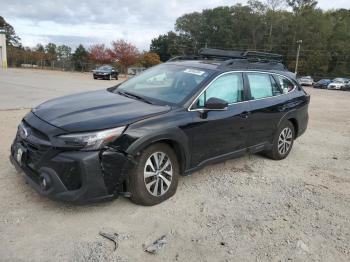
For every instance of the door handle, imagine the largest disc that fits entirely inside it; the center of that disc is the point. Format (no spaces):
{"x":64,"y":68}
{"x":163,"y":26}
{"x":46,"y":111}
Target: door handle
{"x":244,"y":114}
{"x":282,"y":108}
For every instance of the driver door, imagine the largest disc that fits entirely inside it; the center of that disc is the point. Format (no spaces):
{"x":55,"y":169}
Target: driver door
{"x":217,"y":133}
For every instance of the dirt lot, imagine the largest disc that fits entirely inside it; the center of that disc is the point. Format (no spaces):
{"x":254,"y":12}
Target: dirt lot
{"x":25,"y":88}
{"x":247,"y":209}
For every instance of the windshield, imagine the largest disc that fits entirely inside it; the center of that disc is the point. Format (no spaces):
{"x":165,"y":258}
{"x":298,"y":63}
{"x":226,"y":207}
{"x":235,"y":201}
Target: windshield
{"x":167,"y":83}
{"x":104,"y":68}
{"x":339,"y":80}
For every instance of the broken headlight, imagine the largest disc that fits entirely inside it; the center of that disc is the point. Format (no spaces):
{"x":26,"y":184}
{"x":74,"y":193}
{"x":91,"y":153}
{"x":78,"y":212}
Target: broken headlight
{"x":92,"y":140}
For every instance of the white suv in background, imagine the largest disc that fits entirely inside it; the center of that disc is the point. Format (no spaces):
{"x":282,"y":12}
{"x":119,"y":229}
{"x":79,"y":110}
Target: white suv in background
{"x":306,"y":81}
{"x":338,"y":83}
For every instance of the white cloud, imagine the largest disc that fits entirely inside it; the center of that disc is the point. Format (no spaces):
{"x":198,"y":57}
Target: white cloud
{"x":91,"y":21}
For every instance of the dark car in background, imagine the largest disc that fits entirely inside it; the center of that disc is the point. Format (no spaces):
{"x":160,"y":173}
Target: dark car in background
{"x":105,"y":72}
{"x":323,"y":83}
{"x":135,"y":139}
{"x":347,"y":86}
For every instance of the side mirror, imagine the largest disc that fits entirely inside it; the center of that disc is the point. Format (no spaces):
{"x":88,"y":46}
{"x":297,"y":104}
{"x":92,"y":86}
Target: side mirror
{"x":214,"y":103}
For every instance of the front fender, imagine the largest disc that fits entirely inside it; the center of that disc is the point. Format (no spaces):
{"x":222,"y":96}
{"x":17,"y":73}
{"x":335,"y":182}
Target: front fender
{"x":174,"y":135}
{"x":169,"y":128}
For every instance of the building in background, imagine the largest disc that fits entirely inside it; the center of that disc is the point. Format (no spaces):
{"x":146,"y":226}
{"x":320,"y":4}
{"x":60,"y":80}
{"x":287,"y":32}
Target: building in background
{"x":135,"y":70}
{"x":3,"y":56}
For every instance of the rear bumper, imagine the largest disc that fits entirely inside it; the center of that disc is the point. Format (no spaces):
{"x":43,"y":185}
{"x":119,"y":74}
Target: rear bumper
{"x":91,"y":182}
{"x":303,"y":125}
{"x":100,"y":75}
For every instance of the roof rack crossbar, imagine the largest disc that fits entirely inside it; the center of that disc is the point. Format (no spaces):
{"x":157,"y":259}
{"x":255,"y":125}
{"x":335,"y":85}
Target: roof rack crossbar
{"x":263,"y":56}
{"x":218,"y":53}
{"x":184,"y":57}
{"x":233,"y":58}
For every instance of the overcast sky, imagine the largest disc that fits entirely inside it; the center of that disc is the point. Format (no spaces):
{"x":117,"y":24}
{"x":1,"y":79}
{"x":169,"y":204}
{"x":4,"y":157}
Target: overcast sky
{"x":101,"y":21}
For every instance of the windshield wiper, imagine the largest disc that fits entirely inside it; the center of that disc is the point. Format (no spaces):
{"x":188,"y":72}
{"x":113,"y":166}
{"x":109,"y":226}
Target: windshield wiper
{"x":130,"y":95}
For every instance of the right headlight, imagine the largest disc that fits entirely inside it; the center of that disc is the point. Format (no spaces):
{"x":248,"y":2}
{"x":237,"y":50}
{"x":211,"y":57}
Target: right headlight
{"x":92,"y":140}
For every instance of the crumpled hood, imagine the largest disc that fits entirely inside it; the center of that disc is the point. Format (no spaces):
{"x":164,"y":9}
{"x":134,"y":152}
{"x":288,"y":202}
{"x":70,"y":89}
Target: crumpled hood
{"x":94,"y":111}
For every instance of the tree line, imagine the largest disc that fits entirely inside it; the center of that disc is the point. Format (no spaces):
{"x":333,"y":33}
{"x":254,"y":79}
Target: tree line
{"x":271,"y":26}
{"x":121,"y":53}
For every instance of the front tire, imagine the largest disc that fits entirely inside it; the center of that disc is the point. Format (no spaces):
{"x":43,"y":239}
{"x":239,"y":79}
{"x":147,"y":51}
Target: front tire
{"x":282,"y":142}
{"x":155,"y":176}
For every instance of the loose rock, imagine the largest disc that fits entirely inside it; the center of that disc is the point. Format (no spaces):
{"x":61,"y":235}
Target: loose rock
{"x":156,"y":245}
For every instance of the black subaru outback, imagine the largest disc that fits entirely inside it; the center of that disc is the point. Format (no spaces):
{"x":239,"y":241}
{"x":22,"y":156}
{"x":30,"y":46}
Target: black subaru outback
{"x":136,"y":138}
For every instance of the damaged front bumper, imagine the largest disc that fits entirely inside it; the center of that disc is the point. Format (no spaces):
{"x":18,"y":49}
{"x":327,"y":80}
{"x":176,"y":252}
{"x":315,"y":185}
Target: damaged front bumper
{"x":73,"y":176}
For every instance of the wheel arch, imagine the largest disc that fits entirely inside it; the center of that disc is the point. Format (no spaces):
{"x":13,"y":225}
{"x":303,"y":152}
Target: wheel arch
{"x":177,"y":141}
{"x":292,"y":117}
{"x":294,"y":121}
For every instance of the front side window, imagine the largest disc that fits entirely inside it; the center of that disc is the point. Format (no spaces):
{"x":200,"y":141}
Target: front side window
{"x":228,"y":87}
{"x":166,"y":83}
{"x":285,"y":84}
{"x":262,"y":85}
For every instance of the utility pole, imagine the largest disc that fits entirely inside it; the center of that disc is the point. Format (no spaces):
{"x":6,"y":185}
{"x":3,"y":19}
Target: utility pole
{"x":299,"y":42}
{"x":3,"y":55}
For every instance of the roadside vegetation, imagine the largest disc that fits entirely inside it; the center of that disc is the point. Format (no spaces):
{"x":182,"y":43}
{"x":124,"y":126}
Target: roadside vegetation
{"x":271,"y":26}
{"x":51,"y":56}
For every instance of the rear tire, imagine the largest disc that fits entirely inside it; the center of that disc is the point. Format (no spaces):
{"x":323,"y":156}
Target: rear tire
{"x":155,"y":176}
{"x":282,"y":142}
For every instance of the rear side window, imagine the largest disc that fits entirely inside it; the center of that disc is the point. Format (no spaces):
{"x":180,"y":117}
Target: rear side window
{"x":285,"y":84}
{"x":228,"y":87}
{"x":262,"y":85}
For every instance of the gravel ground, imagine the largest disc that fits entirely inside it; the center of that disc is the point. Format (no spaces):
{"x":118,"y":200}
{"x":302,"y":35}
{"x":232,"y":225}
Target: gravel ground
{"x":26,"y":88}
{"x":246,"y":209}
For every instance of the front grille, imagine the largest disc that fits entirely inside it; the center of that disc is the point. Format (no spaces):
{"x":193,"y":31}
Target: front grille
{"x":36,"y":143}
{"x":35,"y":153}
{"x":40,"y":153}
{"x":35,"y":132}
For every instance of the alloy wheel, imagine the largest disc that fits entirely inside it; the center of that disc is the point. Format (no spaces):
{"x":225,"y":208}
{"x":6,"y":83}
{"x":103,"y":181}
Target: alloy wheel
{"x":158,"y":174}
{"x":285,"y":140}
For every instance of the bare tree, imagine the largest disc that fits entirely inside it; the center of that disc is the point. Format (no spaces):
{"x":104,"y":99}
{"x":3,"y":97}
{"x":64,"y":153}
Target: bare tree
{"x":273,"y":6}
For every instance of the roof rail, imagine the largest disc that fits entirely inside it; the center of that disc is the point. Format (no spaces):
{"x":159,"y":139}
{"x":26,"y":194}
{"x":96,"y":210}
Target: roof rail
{"x":252,"y":64}
{"x":184,"y":57}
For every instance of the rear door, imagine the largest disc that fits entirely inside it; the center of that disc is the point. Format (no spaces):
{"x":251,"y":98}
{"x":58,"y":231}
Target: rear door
{"x":267,"y":106}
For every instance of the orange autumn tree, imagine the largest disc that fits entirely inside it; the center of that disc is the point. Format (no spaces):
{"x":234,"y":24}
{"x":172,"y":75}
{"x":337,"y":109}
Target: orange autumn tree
{"x":125,"y":53}
{"x":148,"y":59}
{"x":100,"y":54}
